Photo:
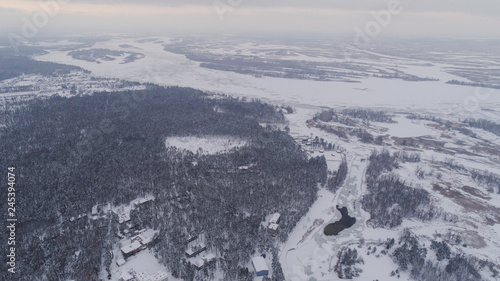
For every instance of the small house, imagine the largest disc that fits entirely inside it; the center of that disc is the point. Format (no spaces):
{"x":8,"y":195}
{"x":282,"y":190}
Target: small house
{"x":273,"y":228}
{"x":201,"y":262}
{"x":191,"y":238}
{"x":125,"y":276}
{"x":195,"y":250}
{"x":138,"y":243}
{"x":122,"y":214}
{"x":275,"y":219}
{"x":244,"y":167}
{"x":120,"y":262}
{"x":260,"y":266}
{"x":131,"y":248}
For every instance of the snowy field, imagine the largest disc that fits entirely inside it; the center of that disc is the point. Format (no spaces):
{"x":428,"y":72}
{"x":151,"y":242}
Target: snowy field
{"x":205,"y":145}
{"x":166,"y":68}
{"x":408,"y":128}
{"x":310,"y":255}
{"x":143,"y":261}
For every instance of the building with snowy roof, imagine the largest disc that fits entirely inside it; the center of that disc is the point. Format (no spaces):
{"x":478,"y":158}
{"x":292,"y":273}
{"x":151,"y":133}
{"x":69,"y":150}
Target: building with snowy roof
{"x":138,"y":243}
{"x":260,"y":266}
{"x":275,"y":219}
{"x":273,"y":228}
{"x":195,"y":250}
{"x":120,"y":262}
{"x":123,"y":214}
{"x":123,"y":211}
{"x":191,"y":238}
{"x":200,"y":262}
{"x":146,"y":236}
{"x":94,"y":210}
{"x":140,"y":201}
{"x":131,"y":248}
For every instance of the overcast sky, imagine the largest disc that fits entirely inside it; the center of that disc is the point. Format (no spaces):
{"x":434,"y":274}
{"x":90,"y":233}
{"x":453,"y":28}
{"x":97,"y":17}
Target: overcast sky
{"x":329,"y":17}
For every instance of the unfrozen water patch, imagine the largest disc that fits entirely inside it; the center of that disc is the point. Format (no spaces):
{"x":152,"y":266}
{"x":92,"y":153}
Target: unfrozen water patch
{"x":205,"y":145}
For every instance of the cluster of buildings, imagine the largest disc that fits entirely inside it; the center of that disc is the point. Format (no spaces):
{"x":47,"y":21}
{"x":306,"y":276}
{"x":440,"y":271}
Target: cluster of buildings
{"x":259,"y":263}
{"x":122,"y":212}
{"x":136,"y":244}
{"x":81,"y":82}
{"x":194,"y":253}
{"x":310,"y":144}
{"x":202,"y":260}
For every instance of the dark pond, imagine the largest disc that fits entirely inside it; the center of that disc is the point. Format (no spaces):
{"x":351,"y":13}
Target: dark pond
{"x":345,"y":222}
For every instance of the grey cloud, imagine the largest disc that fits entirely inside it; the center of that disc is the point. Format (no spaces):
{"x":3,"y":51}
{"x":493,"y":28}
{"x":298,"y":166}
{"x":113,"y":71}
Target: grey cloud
{"x":418,"y":17}
{"x":484,"y":7}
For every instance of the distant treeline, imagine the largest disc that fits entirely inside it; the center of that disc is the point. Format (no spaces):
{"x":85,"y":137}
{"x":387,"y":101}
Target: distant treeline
{"x":367,"y":115}
{"x":13,"y":66}
{"x":23,"y":50}
{"x":482,"y":124}
{"x":473,"y":84}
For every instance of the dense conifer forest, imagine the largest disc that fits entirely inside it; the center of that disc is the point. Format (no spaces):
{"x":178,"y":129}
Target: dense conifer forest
{"x":73,"y":153}
{"x":13,"y":66}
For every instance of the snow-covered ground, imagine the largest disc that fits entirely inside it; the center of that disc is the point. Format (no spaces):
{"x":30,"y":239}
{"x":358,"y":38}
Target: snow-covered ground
{"x":408,"y":128}
{"x":35,"y":85}
{"x":205,"y":145}
{"x":143,"y":261}
{"x":308,"y":254}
